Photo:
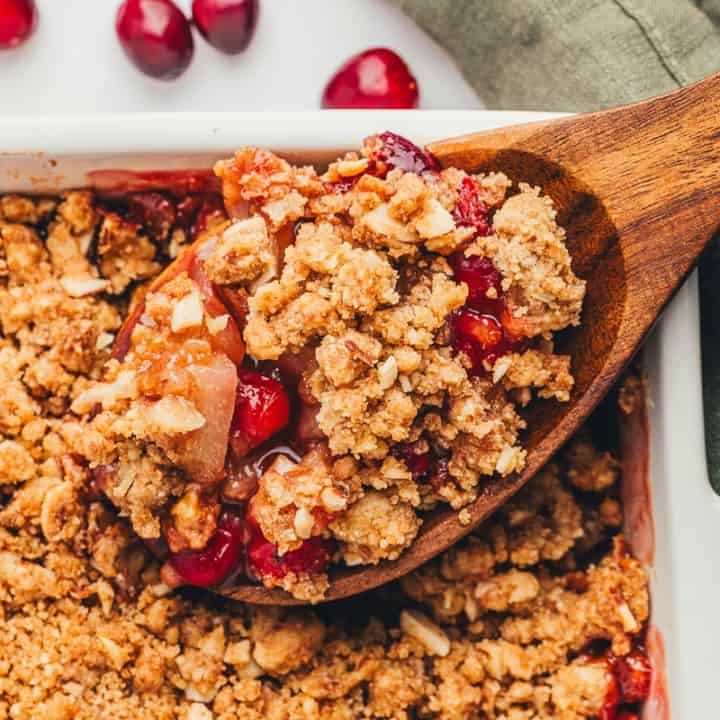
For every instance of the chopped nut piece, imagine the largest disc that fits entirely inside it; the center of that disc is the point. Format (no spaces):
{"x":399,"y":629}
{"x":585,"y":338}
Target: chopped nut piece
{"x":388,"y":373}
{"x":171,"y":415}
{"x":81,"y":286}
{"x":332,"y":500}
{"x":351,"y":168}
{"x":217,"y":324}
{"x":303,"y":523}
{"x":425,"y":631}
{"x":187,"y":313}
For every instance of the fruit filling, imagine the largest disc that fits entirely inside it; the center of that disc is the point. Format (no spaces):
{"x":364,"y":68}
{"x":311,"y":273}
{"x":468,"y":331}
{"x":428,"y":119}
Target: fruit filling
{"x":326,"y":359}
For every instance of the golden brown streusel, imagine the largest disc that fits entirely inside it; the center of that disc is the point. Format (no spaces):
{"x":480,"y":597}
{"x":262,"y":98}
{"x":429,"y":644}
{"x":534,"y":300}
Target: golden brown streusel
{"x":491,"y":629}
{"x":88,"y":630}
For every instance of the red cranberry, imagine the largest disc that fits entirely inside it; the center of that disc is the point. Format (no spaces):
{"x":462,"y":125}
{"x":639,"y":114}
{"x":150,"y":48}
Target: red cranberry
{"x":481,"y":277}
{"x":416,"y":456}
{"x":482,"y":338}
{"x":395,"y":151}
{"x":17,"y":22}
{"x":227,"y":25}
{"x":470,"y":210}
{"x":262,"y":408}
{"x":627,"y":715}
{"x":441,"y":473}
{"x":195,"y":212}
{"x":634,"y":674}
{"x":612,"y":696}
{"x":485,"y":330}
{"x":187,"y":210}
{"x":375,"y":79}
{"x":222,"y":556}
{"x":311,"y":557}
{"x":154,"y":211}
{"x":156,"y":37}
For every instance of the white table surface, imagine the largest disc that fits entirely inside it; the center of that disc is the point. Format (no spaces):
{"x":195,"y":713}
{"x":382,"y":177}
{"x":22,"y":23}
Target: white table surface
{"x":74,"y":64}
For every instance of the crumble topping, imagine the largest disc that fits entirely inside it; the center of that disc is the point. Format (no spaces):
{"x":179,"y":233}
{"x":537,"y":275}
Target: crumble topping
{"x":497,"y":626}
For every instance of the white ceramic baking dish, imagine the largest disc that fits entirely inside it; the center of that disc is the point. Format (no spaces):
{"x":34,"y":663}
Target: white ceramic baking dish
{"x":47,"y":155}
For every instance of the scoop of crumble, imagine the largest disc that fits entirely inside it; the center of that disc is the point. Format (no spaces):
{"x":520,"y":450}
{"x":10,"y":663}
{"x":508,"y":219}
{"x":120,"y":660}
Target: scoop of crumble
{"x":329,"y":360}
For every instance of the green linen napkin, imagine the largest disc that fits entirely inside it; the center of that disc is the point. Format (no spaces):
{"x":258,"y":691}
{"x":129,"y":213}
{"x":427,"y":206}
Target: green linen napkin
{"x":580,"y":55}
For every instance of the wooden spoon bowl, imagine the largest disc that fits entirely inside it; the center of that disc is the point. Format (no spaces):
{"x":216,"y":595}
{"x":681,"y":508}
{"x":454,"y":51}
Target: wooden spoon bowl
{"x":638,"y":191}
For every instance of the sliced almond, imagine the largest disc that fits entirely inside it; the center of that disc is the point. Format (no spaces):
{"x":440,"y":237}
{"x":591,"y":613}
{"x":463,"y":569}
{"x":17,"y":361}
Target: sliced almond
{"x":500,"y":368}
{"x":388,"y":373}
{"x":282,"y":464}
{"x":104,"y":340}
{"x":628,"y":620}
{"x":507,"y":461}
{"x":303,"y":523}
{"x":118,"y":655}
{"x":406,"y":384}
{"x":425,"y":631}
{"x":85,"y":241}
{"x":83,"y":286}
{"x":196,"y":695}
{"x":351,"y":168}
{"x":198,"y":711}
{"x":187,"y":313}
{"x":106,"y":394}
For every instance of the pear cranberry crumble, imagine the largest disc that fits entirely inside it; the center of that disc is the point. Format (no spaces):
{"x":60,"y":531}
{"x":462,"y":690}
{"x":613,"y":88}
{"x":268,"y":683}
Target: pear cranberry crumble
{"x":110,"y":411}
{"x":326,"y":358}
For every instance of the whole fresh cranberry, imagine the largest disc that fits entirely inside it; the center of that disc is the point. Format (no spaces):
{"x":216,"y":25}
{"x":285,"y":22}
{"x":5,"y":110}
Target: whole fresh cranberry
{"x":156,"y":36}
{"x":374,"y":79}
{"x":262,"y":409}
{"x":470,"y":209}
{"x":227,"y":25}
{"x":216,"y":562}
{"x":17,"y":22}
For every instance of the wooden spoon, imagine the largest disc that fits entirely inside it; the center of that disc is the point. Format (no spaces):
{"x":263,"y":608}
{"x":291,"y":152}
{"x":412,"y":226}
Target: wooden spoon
{"x":638,"y":190}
